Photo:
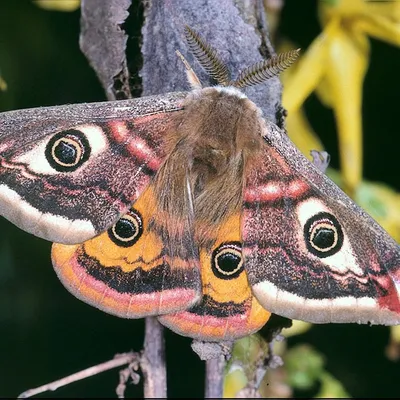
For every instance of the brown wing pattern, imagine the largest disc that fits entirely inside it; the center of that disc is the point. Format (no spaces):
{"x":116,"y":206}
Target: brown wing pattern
{"x":68,"y":173}
{"x":310,"y":252}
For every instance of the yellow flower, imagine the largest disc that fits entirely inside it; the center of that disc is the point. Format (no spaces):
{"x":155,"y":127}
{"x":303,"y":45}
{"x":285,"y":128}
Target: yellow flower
{"x":3,"y":84}
{"x":379,"y":200}
{"x":335,"y":65}
{"x":58,"y":5}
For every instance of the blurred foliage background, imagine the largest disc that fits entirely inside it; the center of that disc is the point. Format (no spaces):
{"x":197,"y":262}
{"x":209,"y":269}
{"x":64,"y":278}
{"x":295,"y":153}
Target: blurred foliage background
{"x":45,"y":333}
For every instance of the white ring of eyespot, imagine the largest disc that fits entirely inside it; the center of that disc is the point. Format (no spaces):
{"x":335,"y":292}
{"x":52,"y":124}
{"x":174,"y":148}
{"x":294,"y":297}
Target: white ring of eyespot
{"x":136,"y":224}
{"x":225,"y":251}
{"x":325,"y":223}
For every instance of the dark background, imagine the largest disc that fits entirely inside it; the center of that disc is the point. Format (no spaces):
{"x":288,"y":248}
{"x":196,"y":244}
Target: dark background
{"x":45,"y":333}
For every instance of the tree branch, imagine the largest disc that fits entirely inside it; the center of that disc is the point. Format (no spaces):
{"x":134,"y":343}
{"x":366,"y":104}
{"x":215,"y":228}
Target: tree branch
{"x":232,"y":27}
{"x":239,"y":32}
{"x":103,"y":42}
{"x":152,"y":361}
{"x":214,"y":382}
{"x":118,"y":361}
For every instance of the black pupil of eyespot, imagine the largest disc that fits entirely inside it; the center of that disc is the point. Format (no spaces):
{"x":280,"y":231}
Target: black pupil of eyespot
{"x":228,"y":262}
{"x":324,"y":238}
{"x":68,"y":150}
{"x":323,"y":235}
{"x":125,"y":229}
{"x":65,"y":152}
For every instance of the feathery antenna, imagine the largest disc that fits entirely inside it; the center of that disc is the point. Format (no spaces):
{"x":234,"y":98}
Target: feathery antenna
{"x":265,"y":69}
{"x":253,"y":75}
{"x":207,"y":57}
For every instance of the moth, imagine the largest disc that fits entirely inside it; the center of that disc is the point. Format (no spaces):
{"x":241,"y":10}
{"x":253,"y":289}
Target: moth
{"x":194,"y":208}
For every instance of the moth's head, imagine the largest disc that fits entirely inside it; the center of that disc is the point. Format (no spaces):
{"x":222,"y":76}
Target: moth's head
{"x":212,"y":64}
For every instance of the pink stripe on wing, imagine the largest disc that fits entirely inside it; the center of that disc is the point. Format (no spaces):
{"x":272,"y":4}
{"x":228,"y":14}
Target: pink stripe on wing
{"x":137,"y":146}
{"x":126,"y":305}
{"x":119,"y":130}
{"x":276,"y":190}
{"x":143,"y":153}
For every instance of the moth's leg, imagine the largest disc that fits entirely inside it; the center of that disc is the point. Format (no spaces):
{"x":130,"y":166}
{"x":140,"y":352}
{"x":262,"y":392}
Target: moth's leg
{"x":193,"y":80}
{"x":321,"y":159}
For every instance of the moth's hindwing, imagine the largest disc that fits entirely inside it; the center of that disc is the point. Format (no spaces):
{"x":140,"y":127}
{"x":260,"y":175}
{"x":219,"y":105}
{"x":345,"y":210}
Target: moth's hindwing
{"x":310,"y":252}
{"x":68,"y":173}
{"x":129,"y":270}
{"x":227,"y":310}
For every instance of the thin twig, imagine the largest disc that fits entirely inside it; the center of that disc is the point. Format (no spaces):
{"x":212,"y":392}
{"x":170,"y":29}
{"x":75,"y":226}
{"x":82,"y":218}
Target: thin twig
{"x":126,"y":374}
{"x":152,"y":362}
{"x":215,"y":354}
{"x":119,"y":360}
{"x":214,"y":384}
